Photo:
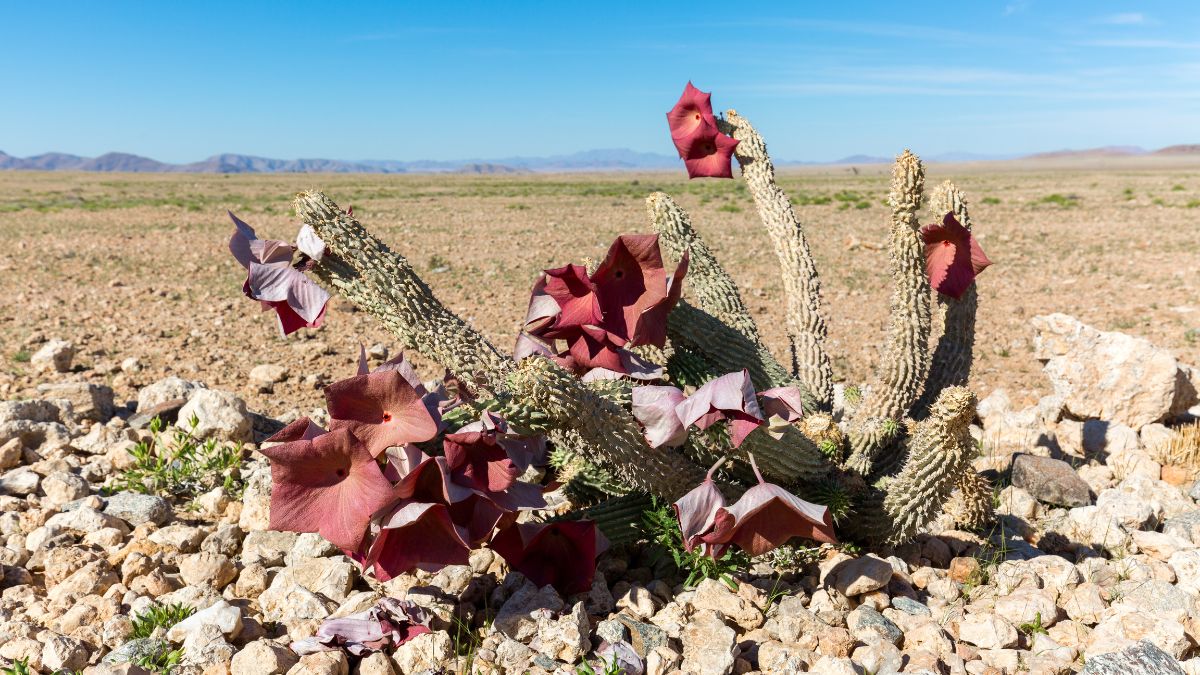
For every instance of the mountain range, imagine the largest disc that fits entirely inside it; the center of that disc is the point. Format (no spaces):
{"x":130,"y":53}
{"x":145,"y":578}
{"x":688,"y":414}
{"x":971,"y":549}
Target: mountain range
{"x":618,"y":159}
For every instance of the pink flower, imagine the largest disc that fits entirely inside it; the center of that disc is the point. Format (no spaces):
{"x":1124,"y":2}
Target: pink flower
{"x":655,"y":407}
{"x":561,"y":554}
{"x":953,"y":258}
{"x":390,"y":622}
{"x":697,"y":511}
{"x":767,"y":516}
{"x":329,"y":484}
{"x":710,"y":157}
{"x":382,"y":408}
{"x":729,"y":397}
{"x":692,"y":116}
{"x":272,"y":280}
{"x":784,"y":402}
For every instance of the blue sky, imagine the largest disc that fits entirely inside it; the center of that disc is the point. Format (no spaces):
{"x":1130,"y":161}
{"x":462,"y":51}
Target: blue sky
{"x":374,"y":80}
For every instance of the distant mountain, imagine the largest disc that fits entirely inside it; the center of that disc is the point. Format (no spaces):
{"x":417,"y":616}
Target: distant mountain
{"x":1193,"y":149}
{"x":1107,"y":151}
{"x":612,"y":159}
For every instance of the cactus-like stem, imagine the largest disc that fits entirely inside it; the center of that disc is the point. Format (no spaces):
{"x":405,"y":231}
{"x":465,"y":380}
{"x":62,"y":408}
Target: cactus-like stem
{"x":620,"y":518}
{"x":384,"y":284}
{"x":706,"y":280}
{"x":805,"y":325}
{"x":951,"y":362}
{"x":939,"y":453}
{"x":971,"y":505}
{"x":726,"y":350}
{"x":612,"y":436}
{"x":367,"y":273}
{"x":905,"y":362}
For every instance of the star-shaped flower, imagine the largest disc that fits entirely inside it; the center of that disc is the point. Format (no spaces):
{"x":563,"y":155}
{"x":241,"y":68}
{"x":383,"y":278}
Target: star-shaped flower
{"x":729,"y":397}
{"x":329,"y":484}
{"x":382,"y":408}
{"x":953,"y":258}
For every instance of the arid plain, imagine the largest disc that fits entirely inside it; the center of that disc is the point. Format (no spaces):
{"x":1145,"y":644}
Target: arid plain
{"x":136,"y":266}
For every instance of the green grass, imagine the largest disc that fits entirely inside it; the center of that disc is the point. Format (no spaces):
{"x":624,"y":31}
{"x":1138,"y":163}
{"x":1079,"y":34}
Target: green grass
{"x":990,"y":201}
{"x":19,"y":667}
{"x":159,"y":616}
{"x":22,"y":356}
{"x":1034,"y":627}
{"x":802,"y":199}
{"x":1195,"y":203}
{"x":662,"y":528}
{"x":176,"y":463}
{"x":1177,"y":188}
{"x":729,"y":208}
{"x":1065,"y":201}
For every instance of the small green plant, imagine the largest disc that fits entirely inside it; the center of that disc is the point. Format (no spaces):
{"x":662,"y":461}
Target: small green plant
{"x":1177,"y":188}
{"x":613,"y":668}
{"x":663,"y":530}
{"x":729,"y":208}
{"x":162,"y":660}
{"x":19,"y":667}
{"x":1065,"y":201}
{"x":1195,"y":203}
{"x":156,"y":616}
{"x":1192,"y":335}
{"x":438,"y":264}
{"x":178,"y":463}
{"x":518,"y":207}
{"x":1128,"y":194}
{"x":22,"y":356}
{"x":990,"y":201}
{"x":853,"y":395}
{"x":1034,"y":627}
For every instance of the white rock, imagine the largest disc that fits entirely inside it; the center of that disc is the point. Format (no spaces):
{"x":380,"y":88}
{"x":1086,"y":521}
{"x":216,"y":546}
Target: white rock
{"x":860,"y":575}
{"x":262,"y":657}
{"x":1122,"y":627}
{"x":708,"y":645}
{"x":563,"y":638}
{"x":220,"y":414}
{"x":54,"y":357}
{"x":268,"y":374}
{"x":222,"y":615}
{"x":987,"y":631}
{"x":166,"y":389}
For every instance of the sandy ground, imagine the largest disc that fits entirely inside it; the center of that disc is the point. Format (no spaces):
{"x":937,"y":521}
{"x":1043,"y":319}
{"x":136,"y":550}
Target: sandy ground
{"x":128,"y":265}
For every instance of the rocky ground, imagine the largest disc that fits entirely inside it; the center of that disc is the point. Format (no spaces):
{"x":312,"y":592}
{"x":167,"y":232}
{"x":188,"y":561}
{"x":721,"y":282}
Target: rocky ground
{"x":1096,"y":550}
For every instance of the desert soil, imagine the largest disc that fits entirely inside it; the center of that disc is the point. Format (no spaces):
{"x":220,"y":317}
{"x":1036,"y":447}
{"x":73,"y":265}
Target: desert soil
{"x":127,"y":265}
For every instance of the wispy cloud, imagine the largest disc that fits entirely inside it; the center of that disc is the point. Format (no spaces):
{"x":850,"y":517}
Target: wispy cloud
{"x":1124,"y":19}
{"x":1140,"y":44}
{"x":1016,"y":7}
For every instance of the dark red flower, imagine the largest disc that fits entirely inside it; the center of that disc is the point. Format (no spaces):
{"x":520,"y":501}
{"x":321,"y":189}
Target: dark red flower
{"x":953,"y":258}
{"x":382,"y":408}
{"x":697,"y":510}
{"x":767,"y":516}
{"x":691,"y":116}
{"x":629,"y":282}
{"x":329,"y":484}
{"x":302,"y":429}
{"x":274,"y":282}
{"x":561,"y":554}
{"x":417,"y":535}
{"x":481,"y":461}
{"x":575,"y":295}
{"x":710,"y":157}
{"x":729,"y":397}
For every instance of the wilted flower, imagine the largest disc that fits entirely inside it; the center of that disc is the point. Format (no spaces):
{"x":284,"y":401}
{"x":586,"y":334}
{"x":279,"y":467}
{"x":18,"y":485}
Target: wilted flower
{"x":697,"y":510}
{"x":784,"y":402}
{"x":561,"y":554}
{"x":272,"y":280}
{"x":953,"y":258}
{"x":329,"y":484}
{"x":767,"y":516}
{"x":729,"y":397}
{"x":389,"y":623}
{"x":655,"y":407}
{"x":382,"y":408}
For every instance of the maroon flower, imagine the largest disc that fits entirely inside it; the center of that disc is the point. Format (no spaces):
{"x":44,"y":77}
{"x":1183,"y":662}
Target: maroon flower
{"x":417,"y":535}
{"x":729,"y":397}
{"x":561,"y":554}
{"x":382,"y":408}
{"x":697,"y":510}
{"x":274,"y":282}
{"x":692,"y":116}
{"x":479,"y":460}
{"x":767,"y":516}
{"x":953,"y":258}
{"x":710,"y":157}
{"x":302,"y":429}
{"x":329,"y":484}
{"x":655,"y":407}
{"x":575,"y":295}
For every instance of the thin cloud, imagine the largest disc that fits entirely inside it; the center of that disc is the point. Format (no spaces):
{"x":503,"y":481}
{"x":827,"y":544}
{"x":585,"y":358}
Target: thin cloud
{"x":1140,"y":44}
{"x":1015,"y":8}
{"x":1124,"y":19}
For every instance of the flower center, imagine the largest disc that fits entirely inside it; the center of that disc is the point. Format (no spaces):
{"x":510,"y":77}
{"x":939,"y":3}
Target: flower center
{"x":387,"y":417}
{"x":946,"y":243}
{"x":619,"y":273}
{"x":697,"y":116}
{"x":341,"y":473}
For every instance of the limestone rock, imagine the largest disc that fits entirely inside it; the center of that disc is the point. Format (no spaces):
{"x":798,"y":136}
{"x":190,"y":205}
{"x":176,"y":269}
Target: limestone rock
{"x":223,"y":615}
{"x":167,"y":389}
{"x":860,"y":575}
{"x":221,"y":415}
{"x":54,"y":357}
{"x":1051,"y":481}
{"x":1142,"y":658}
{"x":137,"y":509}
{"x":263,"y":657}
{"x":708,"y":645}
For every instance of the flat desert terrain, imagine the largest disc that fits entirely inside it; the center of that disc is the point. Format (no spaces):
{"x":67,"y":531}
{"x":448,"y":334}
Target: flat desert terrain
{"x":135,"y":265}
